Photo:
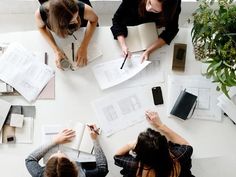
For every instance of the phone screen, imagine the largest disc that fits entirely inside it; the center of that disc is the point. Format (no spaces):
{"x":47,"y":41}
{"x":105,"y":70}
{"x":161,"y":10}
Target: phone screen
{"x":157,"y":95}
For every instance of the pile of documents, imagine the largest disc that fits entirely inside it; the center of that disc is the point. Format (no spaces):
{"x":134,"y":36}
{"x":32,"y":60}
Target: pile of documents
{"x":228,"y":105}
{"x":23,"y":71}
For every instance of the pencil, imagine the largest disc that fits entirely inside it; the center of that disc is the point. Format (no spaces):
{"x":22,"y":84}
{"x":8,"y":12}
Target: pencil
{"x":92,"y":129}
{"x":124,"y":61}
{"x":73,"y":49}
{"x":46,"y":58}
{"x":74,"y":36}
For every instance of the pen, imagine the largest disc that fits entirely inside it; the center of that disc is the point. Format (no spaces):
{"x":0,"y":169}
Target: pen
{"x":124,"y":61}
{"x":74,"y":36}
{"x":73,"y":48}
{"x":46,"y":58}
{"x":92,"y":129}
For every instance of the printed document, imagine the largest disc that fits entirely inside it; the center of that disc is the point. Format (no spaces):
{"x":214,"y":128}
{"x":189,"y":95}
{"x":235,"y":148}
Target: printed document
{"x":109,"y":74}
{"x":228,"y":105}
{"x":203,"y":88}
{"x":23,"y":71}
{"x":122,"y":109}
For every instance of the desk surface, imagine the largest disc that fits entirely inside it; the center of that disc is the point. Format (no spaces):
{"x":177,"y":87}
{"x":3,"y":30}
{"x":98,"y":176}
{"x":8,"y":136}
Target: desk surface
{"x":75,"y":91}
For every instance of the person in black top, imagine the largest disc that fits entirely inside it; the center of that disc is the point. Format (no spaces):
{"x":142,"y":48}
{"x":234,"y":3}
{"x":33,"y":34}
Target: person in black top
{"x":64,"y":17}
{"x":161,"y":153}
{"x":165,"y":13}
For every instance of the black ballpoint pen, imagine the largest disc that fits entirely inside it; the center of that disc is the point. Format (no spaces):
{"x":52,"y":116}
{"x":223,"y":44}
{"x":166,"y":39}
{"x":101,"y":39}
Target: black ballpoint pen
{"x":124,"y":61}
{"x":72,"y":49}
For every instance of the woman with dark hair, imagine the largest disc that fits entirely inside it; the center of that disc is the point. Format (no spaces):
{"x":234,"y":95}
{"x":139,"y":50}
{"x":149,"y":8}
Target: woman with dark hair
{"x":59,"y":165}
{"x":64,"y":17}
{"x":156,"y":154}
{"x":165,"y":13}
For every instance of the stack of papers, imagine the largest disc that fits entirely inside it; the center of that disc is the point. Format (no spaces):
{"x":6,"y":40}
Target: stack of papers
{"x":228,"y":105}
{"x":23,"y":71}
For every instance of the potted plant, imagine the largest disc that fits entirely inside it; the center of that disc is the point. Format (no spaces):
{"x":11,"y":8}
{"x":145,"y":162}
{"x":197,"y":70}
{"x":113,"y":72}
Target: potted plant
{"x":214,"y":39}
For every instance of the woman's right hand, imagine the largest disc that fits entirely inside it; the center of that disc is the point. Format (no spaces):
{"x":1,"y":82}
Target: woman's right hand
{"x":153,"y":118}
{"x":59,"y":55}
{"x":64,"y":137}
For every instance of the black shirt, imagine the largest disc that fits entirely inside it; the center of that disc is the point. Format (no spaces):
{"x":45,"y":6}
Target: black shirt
{"x":80,"y":4}
{"x":127,"y":15}
{"x":182,"y":153}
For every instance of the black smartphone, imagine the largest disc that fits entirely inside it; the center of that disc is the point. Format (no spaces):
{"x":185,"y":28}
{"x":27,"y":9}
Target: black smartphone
{"x":157,"y":95}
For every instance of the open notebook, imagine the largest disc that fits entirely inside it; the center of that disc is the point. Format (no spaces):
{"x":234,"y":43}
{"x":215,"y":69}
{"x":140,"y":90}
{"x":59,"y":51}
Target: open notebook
{"x":141,"y":37}
{"x":82,"y":140}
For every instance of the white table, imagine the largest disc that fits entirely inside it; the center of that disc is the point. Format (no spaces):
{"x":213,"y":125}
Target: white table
{"x":76,"y":90}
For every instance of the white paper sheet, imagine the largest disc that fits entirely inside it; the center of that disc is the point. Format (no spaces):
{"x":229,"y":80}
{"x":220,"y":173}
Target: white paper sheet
{"x":20,"y":69}
{"x":93,"y":53}
{"x":228,"y":105}
{"x":25,"y":134}
{"x":203,"y":88}
{"x":109,"y":74}
{"x":121,"y":109}
{"x":149,"y":75}
{"x":4,"y":109}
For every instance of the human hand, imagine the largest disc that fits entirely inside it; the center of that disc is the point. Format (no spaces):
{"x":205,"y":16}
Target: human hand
{"x":145,"y":56}
{"x":126,"y":51}
{"x":82,"y":56}
{"x":153,"y":118}
{"x":59,"y":55}
{"x":64,"y":137}
{"x":93,"y":130}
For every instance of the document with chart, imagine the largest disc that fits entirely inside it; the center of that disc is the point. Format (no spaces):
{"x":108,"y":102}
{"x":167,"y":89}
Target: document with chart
{"x":203,"y":88}
{"x":109,"y":74}
{"x":122,"y":109}
{"x":23,"y":71}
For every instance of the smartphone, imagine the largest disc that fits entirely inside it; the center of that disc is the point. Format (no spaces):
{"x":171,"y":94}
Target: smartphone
{"x":157,"y":95}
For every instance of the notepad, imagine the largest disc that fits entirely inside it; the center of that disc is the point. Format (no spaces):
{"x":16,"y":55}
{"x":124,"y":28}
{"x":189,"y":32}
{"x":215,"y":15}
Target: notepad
{"x":141,"y":37}
{"x":184,"y":105}
{"x":82,"y":140}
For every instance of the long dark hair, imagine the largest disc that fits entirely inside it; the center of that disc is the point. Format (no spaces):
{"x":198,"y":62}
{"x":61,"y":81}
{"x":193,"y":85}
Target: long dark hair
{"x":152,"y":151}
{"x":60,"y":167}
{"x":60,"y":13}
{"x":168,"y":10}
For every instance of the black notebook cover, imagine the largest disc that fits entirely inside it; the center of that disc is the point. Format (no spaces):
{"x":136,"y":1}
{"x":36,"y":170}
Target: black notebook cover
{"x":183,"y":105}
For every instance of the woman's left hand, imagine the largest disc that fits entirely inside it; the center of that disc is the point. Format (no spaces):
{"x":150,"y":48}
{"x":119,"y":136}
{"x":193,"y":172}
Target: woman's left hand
{"x":82,"y":56}
{"x":64,"y":137}
{"x":145,"y":56}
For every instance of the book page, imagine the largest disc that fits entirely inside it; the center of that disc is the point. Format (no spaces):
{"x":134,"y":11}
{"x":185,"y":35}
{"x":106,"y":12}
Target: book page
{"x":79,"y":131}
{"x":133,"y":40}
{"x":148,"y":34}
{"x":86,"y":144}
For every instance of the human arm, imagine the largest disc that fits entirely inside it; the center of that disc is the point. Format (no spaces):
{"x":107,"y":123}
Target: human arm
{"x":92,"y":18}
{"x":154,"y":119}
{"x":101,"y":168}
{"x":126,"y":148}
{"x":32,"y":161}
{"x":59,"y":54}
{"x":155,"y":45}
